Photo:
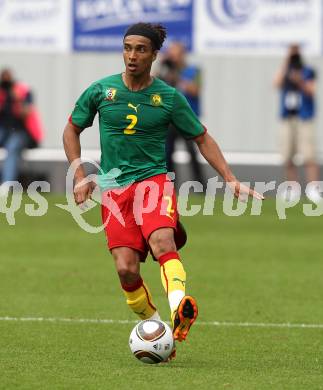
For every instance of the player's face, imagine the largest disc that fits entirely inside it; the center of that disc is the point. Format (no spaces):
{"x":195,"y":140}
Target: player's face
{"x":138,"y":55}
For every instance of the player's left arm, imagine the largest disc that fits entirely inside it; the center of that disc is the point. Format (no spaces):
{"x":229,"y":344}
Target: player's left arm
{"x":212,"y":153}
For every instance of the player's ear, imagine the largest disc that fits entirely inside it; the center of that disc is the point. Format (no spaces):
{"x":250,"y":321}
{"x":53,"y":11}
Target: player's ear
{"x":155,"y":54}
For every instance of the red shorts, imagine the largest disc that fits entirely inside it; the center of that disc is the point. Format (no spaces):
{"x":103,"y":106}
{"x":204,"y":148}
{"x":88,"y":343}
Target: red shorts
{"x":130,"y":214}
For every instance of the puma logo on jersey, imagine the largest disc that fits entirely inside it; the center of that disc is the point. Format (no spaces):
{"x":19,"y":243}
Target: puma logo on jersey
{"x":134,"y":107}
{"x":169,"y":210}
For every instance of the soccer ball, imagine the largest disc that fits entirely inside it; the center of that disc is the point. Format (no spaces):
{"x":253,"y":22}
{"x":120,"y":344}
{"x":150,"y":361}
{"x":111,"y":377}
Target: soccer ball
{"x":151,"y":341}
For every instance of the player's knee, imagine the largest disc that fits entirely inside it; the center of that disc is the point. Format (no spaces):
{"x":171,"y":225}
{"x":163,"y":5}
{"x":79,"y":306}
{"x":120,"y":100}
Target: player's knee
{"x":127,"y":276}
{"x":127,"y":264}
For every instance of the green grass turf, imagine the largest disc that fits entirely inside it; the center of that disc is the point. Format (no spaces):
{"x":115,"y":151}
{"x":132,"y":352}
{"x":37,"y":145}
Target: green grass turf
{"x":246,"y":269}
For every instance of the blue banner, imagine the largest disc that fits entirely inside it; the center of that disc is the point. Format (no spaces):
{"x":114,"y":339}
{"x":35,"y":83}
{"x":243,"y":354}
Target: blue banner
{"x":99,"y":25}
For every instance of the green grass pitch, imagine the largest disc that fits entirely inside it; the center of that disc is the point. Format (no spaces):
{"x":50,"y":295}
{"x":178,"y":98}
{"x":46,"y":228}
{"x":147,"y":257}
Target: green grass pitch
{"x":248,"y":269}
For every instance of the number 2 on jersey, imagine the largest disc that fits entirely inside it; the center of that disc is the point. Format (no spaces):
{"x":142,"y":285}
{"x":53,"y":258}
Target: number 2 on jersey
{"x":130,"y":128}
{"x":169,"y":211}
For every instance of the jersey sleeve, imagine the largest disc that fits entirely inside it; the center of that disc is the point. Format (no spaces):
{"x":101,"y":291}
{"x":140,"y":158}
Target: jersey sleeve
{"x":86,"y":107}
{"x":184,"y":118}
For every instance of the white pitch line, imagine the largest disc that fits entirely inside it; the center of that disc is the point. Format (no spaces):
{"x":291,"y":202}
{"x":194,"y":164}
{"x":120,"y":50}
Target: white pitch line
{"x":126,"y":322}
{"x":262,"y":325}
{"x":72,"y":320}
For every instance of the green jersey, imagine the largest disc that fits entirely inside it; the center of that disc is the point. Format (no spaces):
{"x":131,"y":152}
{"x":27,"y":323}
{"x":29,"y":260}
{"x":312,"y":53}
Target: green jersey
{"x":133,"y":127}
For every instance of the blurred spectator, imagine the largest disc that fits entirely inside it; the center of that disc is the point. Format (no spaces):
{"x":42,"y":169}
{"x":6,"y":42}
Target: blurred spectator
{"x":297,"y":84}
{"x":20,"y":126}
{"x":186,"y":78}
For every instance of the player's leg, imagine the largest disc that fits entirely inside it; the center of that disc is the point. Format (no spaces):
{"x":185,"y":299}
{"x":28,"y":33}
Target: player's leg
{"x":172,"y":272}
{"x":159,"y":225}
{"x":183,"y":307}
{"x":139,"y":300}
{"x":128,"y":247}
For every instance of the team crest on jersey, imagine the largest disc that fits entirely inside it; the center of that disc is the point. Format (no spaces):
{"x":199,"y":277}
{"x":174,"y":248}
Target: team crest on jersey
{"x":110,"y":94}
{"x":156,"y":100}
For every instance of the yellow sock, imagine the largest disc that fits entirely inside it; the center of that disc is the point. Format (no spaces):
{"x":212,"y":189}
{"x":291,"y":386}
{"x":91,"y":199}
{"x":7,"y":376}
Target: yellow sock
{"x":173,"y":278}
{"x":140,"y":301}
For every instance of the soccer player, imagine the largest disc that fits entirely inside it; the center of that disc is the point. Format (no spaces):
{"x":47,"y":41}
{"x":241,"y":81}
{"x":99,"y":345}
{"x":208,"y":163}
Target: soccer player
{"x":135,"y":110}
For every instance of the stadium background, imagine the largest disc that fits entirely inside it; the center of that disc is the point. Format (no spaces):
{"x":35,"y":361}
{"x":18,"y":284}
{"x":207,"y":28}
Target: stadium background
{"x":47,"y":44}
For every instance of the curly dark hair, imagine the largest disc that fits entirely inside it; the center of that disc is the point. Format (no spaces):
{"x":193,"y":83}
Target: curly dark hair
{"x":162,"y":33}
{"x":155,"y":32}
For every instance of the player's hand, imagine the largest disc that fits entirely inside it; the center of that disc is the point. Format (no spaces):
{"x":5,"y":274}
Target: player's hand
{"x":242,"y":192}
{"x":83,"y":190}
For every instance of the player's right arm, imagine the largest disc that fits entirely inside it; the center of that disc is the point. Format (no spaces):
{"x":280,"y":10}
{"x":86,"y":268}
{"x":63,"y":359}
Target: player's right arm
{"x":82,"y":117}
{"x":72,"y":147}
